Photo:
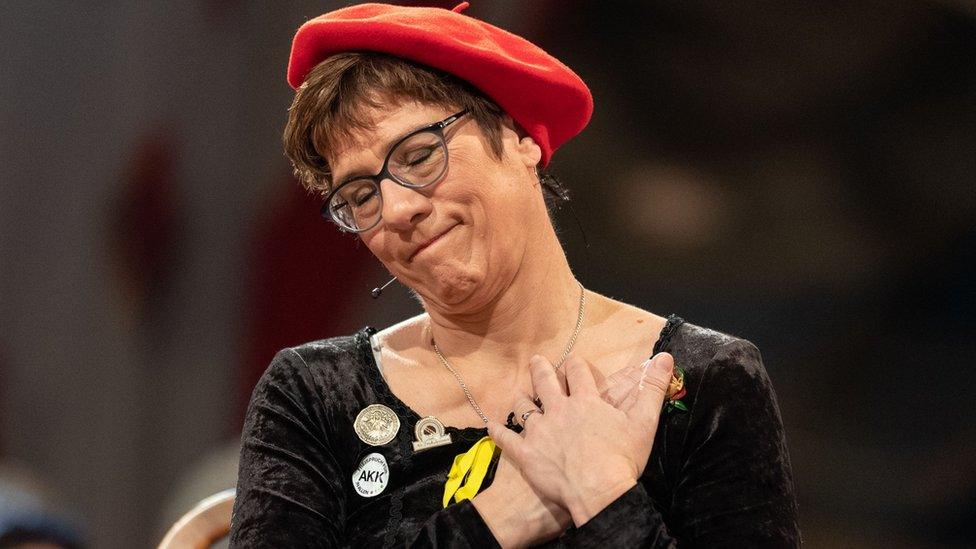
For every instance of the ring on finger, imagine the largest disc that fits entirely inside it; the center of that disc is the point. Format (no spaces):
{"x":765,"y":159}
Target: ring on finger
{"x":527,"y":413}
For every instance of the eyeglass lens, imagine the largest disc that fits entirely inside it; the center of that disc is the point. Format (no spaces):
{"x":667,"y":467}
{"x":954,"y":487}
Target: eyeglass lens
{"x":417,"y":161}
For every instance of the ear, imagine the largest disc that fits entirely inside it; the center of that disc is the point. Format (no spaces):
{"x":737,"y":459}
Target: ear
{"x":529,"y":152}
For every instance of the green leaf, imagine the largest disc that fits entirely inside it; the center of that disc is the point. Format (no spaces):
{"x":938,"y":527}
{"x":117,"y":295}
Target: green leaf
{"x":680,"y":405}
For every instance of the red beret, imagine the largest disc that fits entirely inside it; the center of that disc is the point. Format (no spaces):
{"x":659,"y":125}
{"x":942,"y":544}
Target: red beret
{"x":544,"y":96}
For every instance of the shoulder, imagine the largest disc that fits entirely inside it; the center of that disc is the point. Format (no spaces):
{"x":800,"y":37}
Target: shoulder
{"x":402,"y":335}
{"x":724,"y":375}
{"x":316,"y":370}
{"x":697,"y":349}
{"x":717,"y":362}
{"x":324,"y":353}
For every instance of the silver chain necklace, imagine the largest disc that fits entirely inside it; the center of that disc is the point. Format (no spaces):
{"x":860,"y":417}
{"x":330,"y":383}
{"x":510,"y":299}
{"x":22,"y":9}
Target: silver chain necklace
{"x":569,"y":347}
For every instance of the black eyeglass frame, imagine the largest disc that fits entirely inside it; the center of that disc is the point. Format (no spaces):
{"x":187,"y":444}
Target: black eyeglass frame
{"x":437,"y":128}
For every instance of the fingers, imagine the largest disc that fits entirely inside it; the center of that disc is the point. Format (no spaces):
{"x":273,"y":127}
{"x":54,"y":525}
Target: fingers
{"x":628,"y":402}
{"x":579,"y":378}
{"x":652,"y":390}
{"x":507,"y":440}
{"x":524,"y":410}
{"x":545,"y":382}
{"x":621,"y":390}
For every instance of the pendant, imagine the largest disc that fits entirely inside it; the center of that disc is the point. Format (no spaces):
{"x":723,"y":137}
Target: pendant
{"x":376,"y":425}
{"x":430,"y":434}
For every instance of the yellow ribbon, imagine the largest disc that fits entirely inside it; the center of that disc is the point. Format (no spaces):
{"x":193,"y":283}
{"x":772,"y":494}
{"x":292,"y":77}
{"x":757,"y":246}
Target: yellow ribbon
{"x":468,"y":472}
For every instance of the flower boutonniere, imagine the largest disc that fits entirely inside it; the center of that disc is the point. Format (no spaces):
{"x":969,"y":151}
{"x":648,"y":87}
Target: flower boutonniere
{"x":676,"y":391}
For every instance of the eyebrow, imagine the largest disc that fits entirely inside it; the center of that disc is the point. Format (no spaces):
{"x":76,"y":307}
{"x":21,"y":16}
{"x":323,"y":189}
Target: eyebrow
{"x":389,"y":144}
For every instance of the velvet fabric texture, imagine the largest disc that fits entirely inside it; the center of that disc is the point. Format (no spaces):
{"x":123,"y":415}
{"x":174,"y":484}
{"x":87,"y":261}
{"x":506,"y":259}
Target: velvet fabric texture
{"x":719,"y":474}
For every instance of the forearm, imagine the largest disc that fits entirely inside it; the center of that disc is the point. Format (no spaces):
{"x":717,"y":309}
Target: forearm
{"x":584,"y":505}
{"x":630,"y":520}
{"x":512,"y":525}
{"x":457,"y":526}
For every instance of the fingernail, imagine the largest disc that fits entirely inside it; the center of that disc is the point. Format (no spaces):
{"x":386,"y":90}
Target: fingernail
{"x":646,"y":365}
{"x":661,"y":364}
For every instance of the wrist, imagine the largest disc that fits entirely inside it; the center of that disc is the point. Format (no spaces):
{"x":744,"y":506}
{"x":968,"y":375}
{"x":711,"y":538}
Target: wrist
{"x":515,"y":526}
{"x":497,"y":516}
{"x":588,"y":503}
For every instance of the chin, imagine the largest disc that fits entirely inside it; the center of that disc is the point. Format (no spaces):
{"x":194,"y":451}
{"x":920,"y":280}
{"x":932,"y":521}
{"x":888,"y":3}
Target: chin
{"x":452,"y":286}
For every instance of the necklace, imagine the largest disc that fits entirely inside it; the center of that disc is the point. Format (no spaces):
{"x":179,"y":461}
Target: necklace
{"x":569,"y":347}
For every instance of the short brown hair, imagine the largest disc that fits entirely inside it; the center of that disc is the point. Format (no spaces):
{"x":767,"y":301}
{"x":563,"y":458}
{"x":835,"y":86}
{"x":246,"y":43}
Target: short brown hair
{"x":333,"y":100}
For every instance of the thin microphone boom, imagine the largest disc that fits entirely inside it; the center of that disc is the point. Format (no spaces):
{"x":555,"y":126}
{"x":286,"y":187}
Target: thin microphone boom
{"x":377,"y":291}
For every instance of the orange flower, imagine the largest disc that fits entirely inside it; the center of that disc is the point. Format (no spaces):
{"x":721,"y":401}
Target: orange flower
{"x":676,"y":391}
{"x":676,"y":386}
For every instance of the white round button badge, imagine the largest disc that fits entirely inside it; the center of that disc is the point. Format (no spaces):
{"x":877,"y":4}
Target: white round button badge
{"x":372,"y":475}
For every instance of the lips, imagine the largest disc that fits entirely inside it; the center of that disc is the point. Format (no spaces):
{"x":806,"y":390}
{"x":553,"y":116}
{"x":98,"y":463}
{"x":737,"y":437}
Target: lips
{"x":429,"y":242}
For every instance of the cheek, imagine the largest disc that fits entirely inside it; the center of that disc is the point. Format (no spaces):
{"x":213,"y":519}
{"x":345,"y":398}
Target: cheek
{"x":504,"y":203}
{"x":500,"y":233}
{"x":488,"y":186}
{"x":374,"y":242}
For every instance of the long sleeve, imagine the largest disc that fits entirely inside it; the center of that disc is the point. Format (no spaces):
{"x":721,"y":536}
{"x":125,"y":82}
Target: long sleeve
{"x":457,"y":526}
{"x":732,"y":480}
{"x":288,"y":491}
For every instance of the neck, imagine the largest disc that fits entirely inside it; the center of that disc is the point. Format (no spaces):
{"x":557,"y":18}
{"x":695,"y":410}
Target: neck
{"x":535,"y":313}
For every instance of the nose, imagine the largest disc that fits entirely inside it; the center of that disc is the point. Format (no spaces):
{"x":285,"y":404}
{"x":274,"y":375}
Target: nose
{"x":403,"y":207}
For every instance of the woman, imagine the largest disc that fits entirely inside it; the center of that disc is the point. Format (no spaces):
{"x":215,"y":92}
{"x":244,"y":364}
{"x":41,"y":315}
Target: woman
{"x":425,"y":130}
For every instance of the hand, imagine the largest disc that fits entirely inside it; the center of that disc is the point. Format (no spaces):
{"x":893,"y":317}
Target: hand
{"x":583,"y":452}
{"x":623,"y":386}
{"x":515,"y":513}
{"x":539,"y":521}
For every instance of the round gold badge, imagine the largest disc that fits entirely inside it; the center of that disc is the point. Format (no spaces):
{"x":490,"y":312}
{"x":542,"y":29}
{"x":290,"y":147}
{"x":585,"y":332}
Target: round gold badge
{"x":376,"y":425}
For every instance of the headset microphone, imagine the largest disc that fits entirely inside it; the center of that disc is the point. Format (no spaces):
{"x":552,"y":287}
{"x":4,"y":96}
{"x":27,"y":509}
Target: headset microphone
{"x":377,"y":291}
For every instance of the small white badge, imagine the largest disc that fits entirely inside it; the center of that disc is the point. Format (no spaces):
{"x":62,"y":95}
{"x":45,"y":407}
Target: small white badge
{"x":372,"y":475}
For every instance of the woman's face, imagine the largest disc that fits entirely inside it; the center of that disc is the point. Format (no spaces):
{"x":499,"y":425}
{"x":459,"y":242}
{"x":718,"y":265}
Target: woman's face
{"x":462,"y":239}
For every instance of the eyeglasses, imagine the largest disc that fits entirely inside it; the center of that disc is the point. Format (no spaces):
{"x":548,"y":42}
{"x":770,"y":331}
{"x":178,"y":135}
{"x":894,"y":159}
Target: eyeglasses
{"x":415,"y":161}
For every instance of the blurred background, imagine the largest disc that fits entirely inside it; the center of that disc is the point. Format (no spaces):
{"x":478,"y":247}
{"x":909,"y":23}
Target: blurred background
{"x":798,"y":173}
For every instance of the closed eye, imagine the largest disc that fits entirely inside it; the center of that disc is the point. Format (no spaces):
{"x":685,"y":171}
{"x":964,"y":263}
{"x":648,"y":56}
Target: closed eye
{"x":364,"y":198}
{"x":420,"y":156}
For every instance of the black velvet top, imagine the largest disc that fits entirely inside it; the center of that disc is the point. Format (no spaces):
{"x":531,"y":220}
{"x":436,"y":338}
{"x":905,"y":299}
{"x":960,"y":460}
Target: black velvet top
{"x":719,"y":473}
